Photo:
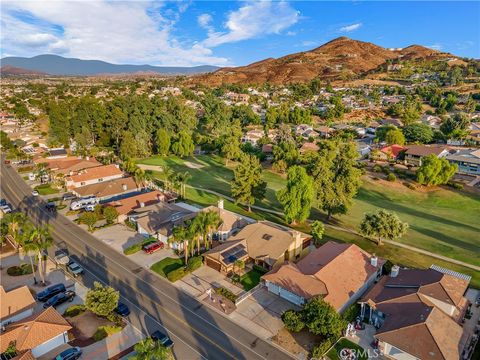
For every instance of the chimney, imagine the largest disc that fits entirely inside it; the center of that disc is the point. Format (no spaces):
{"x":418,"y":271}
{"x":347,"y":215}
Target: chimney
{"x":124,"y":187}
{"x":374,"y":261}
{"x":117,"y":166}
{"x":395,"y":270}
{"x":220,"y":204}
{"x":87,"y":158}
{"x":142,"y":204}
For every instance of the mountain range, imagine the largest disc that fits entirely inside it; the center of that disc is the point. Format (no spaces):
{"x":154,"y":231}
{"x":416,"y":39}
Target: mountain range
{"x":58,"y":65}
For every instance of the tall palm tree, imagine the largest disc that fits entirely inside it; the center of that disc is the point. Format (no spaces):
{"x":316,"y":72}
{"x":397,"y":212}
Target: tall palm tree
{"x":149,"y":349}
{"x":15,"y":224}
{"x":168,"y":177}
{"x":211,"y":221}
{"x":30,"y":249}
{"x":195,"y":230}
{"x":41,"y":236}
{"x":181,"y":235}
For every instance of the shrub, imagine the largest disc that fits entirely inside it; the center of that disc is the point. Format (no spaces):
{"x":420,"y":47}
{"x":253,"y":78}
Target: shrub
{"x":293,"y":321}
{"x":74,"y":310}
{"x":227,"y":294}
{"x":176,"y":274}
{"x":319,"y":350}
{"x":194,"y":263}
{"x":391,"y":177}
{"x":351,"y":313}
{"x":104,"y":331}
{"x":455,"y":185}
{"x":101,"y":300}
{"x":259,"y":268}
{"x":23,"y":269}
{"x":410,"y":186}
{"x":377,"y":168}
{"x":110,"y":214}
{"x":132,"y":249}
{"x":130,"y":224}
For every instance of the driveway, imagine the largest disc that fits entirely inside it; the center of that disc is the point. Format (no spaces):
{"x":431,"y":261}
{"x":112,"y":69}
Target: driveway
{"x":204,"y":278}
{"x":121,"y":237}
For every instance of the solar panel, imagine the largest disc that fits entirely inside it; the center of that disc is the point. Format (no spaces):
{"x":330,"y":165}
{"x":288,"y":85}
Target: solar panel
{"x":231,"y":255}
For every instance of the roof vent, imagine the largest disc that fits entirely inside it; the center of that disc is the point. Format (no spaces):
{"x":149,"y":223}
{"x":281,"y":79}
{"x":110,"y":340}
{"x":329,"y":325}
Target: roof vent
{"x":266,"y":236}
{"x":395,"y":270}
{"x":374,"y":261}
{"x":124,"y":187}
{"x":142,"y":204}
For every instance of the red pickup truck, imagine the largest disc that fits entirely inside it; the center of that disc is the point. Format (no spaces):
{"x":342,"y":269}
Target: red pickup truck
{"x":152,"y":247}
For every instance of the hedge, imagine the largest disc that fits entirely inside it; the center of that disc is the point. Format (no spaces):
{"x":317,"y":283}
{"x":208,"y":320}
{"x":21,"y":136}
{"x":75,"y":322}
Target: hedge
{"x":24,"y":269}
{"x":104,"y":331}
{"x":176,"y":274}
{"x":226,"y":293}
{"x":136,"y":247}
{"x":194,"y":263}
{"x":259,"y":268}
{"x":74,"y":310}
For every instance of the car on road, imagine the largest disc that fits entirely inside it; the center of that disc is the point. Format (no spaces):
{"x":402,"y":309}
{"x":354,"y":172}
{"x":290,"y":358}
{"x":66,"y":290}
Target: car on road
{"x":61,"y":259}
{"x":58,"y":299}
{"x":122,"y":309}
{"x":51,"y":291}
{"x":162,"y":338}
{"x":35,"y":193}
{"x":74,"y":268}
{"x":70,"y":354}
{"x":51,"y":207}
{"x":152,"y":247}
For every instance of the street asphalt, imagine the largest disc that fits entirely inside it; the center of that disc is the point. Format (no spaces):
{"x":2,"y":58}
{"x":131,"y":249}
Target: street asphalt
{"x":199,"y":331}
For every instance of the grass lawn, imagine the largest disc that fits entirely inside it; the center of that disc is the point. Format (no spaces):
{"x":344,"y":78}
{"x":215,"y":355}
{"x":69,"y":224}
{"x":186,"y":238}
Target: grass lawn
{"x":334,"y":353}
{"x":251,"y":279}
{"x":163,"y":267}
{"x":46,"y":189}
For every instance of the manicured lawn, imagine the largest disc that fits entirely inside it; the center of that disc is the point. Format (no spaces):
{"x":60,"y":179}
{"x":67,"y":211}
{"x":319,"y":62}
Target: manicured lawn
{"x":46,"y":189}
{"x":251,"y":279}
{"x":163,"y":267}
{"x":334,"y":354}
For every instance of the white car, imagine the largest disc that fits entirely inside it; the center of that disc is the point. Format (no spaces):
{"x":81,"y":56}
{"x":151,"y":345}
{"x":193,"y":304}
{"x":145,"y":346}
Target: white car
{"x":90,"y":208}
{"x":35,"y":193}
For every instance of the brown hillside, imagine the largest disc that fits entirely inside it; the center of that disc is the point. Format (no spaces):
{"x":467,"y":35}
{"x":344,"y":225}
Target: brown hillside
{"x":8,"y":70}
{"x":339,"y":58}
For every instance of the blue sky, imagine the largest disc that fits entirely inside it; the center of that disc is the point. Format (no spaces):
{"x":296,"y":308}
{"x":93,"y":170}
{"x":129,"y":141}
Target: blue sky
{"x":228,"y":32}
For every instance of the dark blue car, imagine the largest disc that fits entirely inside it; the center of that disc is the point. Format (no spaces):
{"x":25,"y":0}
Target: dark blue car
{"x":59,"y":299}
{"x":122,"y":309}
{"x":162,"y":338}
{"x":51,"y":291}
{"x":69,"y":354}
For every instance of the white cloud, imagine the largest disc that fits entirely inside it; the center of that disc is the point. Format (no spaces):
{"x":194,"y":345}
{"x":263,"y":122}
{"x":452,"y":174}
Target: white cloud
{"x":116,"y":31}
{"x":252,"y":20}
{"x":204,"y":20}
{"x":350,"y":28}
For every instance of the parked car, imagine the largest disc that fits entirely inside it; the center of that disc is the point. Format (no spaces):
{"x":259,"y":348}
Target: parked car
{"x":51,"y":291}
{"x":6,"y":208}
{"x":51,"y":207}
{"x":90,"y":208}
{"x":74,"y":268}
{"x":162,"y":338}
{"x":122,"y":309}
{"x":69,"y":354}
{"x":61,"y":259}
{"x":152,"y":247}
{"x":68,"y":196}
{"x":3,"y":202}
{"x":35,"y":193}
{"x":60,"y":299}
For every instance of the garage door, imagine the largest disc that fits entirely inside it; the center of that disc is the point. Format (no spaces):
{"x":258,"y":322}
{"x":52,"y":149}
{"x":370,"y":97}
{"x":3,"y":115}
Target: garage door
{"x":213,"y":264}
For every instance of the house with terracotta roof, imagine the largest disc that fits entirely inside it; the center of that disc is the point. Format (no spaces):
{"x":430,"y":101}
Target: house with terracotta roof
{"x":108,"y":189}
{"x":94,"y":175}
{"x":38,"y":333}
{"x":67,"y":166}
{"x":392,"y":151}
{"x":339,"y":273}
{"x":264,"y":243}
{"x":308,"y":146}
{"x":415,"y":153}
{"x":127,"y":205}
{"x":15,"y":305}
{"x":418,"y":313}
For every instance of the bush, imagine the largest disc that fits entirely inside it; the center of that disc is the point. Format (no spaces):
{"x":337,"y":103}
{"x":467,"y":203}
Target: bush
{"x":410,"y":186}
{"x":293,"y":321}
{"x":24,"y":269}
{"x":132,"y":249}
{"x":130,"y":224}
{"x":391,"y":177}
{"x":259,"y":268}
{"x":455,"y":185}
{"x":319,"y":350}
{"x":351,"y":313}
{"x":377,"y":168}
{"x":194,"y":263}
{"x":227,"y":294}
{"x":74,"y":310}
{"x":104,"y":331}
{"x":176,"y":274}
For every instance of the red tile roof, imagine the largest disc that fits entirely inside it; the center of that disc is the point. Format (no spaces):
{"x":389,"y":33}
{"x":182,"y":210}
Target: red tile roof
{"x":97,"y":173}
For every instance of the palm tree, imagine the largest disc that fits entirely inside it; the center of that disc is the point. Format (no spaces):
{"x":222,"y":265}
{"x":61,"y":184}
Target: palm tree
{"x":195,"y":230}
{"x":41,"y":236}
{"x":181,"y":234}
{"x":16,"y":223}
{"x":211,"y":221}
{"x":181,"y":179}
{"x":30,"y":248}
{"x":168,"y":177}
{"x":148,"y":349}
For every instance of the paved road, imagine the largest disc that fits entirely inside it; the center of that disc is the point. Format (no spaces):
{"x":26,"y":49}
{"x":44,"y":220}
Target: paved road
{"x":198,"y":331}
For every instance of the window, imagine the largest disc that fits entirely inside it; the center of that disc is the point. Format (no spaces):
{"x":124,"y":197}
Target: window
{"x":100,"y":180}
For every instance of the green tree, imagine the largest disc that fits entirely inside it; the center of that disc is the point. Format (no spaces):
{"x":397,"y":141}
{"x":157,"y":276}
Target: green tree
{"x":297,"y":197}
{"x":128,"y":146}
{"x":148,"y":349}
{"x":238,"y":265}
{"x":15,"y":223}
{"x":395,"y":136}
{"x":451,"y":127}
{"x":248,"y":183}
{"x":383,"y":224}
{"x":293,"y":320}
{"x":43,"y":240}
{"x":435,"y":171}
{"x":110,"y":214}
{"x":322,"y":319}
{"x":162,"y":141}
{"x":184,"y":145}
{"x":88,"y":218}
{"x":381,"y":132}
{"x":335,"y":175}
{"x":317,"y":230}
{"x":418,"y":133}
{"x":102,"y":300}
{"x":180,"y":234}
{"x":210,"y":221}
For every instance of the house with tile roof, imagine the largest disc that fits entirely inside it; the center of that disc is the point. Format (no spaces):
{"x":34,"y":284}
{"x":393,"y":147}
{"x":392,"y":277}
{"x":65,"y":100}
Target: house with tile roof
{"x":38,"y":333}
{"x":339,"y":273}
{"x":467,"y":160}
{"x":15,"y":305}
{"x":94,"y":175}
{"x":67,"y":166}
{"x":415,"y":153}
{"x":264,"y":243}
{"x":108,"y":189}
{"x":418,"y":313}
